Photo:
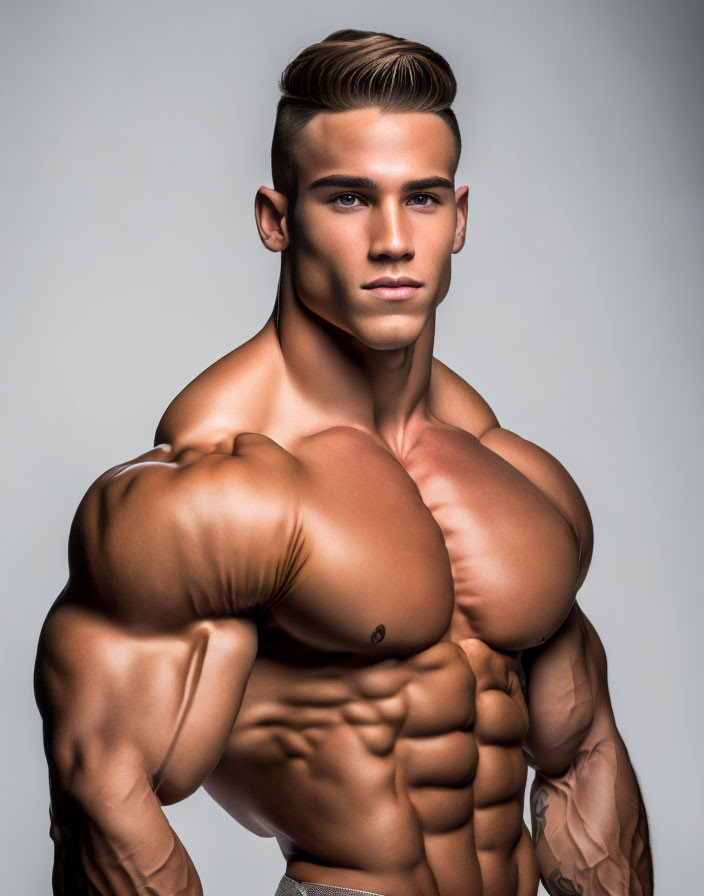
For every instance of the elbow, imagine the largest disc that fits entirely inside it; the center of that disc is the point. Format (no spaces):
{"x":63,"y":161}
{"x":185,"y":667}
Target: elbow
{"x":93,"y":783}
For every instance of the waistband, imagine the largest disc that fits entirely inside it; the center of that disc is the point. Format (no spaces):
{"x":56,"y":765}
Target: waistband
{"x":290,"y":887}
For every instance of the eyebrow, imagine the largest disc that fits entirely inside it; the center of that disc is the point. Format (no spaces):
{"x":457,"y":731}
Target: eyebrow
{"x":349,"y":182}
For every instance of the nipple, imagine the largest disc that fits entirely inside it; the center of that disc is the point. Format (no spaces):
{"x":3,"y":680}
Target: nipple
{"x":378,"y":634}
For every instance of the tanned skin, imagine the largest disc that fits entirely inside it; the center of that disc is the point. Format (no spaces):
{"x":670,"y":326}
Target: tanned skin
{"x":328,"y":590}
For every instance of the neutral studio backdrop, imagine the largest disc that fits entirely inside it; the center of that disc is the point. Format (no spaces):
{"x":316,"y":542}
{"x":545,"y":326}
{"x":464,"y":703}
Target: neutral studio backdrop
{"x":134,"y":137}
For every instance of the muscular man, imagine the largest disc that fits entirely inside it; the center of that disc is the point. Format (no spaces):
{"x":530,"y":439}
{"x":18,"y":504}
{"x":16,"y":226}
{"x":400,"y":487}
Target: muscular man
{"x":337,"y":593}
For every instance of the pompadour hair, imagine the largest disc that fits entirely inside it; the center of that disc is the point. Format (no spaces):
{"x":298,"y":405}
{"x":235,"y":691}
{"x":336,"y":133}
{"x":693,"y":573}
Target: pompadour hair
{"x":355,"y":70}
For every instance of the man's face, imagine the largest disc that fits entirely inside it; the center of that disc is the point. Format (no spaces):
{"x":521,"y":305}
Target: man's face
{"x":376,"y":221}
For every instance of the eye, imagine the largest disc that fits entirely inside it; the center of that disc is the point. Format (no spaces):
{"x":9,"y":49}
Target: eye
{"x":346,"y":200}
{"x":423,"y":200}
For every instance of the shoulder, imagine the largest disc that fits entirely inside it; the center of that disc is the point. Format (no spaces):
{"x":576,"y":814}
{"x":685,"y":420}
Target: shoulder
{"x":174,"y":536}
{"x":454,"y":401}
{"x":232,"y":395}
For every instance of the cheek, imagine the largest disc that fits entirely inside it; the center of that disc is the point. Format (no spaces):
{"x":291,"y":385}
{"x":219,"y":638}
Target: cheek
{"x":440,"y":237}
{"x":324,"y":250}
{"x":434,"y":253}
{"x":316,"y":266}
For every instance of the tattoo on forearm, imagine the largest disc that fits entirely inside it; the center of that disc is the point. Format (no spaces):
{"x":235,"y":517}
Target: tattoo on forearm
{"x":562,"y":886}
{"x":539,"y":804}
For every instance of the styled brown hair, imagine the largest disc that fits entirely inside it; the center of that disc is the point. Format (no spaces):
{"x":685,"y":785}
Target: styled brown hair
{"x":355,"y":70}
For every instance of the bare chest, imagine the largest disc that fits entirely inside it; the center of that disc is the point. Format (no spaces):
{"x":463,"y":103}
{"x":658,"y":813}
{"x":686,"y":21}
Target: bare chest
{"x":449,"y":541}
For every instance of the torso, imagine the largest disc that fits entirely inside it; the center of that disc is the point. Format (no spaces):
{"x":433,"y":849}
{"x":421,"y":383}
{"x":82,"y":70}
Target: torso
{"x":380,"y":738}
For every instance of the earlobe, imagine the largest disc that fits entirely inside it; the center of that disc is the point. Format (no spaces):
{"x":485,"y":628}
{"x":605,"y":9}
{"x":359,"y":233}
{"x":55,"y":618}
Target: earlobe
{"x":270,"y":209}
{"x":462,"y":202}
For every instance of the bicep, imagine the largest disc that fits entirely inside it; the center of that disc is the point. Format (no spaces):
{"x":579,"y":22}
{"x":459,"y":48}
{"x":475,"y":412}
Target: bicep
{"x":567,"y":694}
{"x":154,"y":707}
{"x":131,"y":723}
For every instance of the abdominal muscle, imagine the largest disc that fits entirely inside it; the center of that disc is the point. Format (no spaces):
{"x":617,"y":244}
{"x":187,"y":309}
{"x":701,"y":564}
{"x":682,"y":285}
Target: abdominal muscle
{"x":376,"y":775}
{"x":503,"y":843}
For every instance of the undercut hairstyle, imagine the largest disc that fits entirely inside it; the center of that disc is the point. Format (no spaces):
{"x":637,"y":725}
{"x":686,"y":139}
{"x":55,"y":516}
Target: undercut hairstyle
{"x":356,"y":70}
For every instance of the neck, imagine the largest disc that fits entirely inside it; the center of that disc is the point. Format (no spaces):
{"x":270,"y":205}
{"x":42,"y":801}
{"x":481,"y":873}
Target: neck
{"x":378,"y":389}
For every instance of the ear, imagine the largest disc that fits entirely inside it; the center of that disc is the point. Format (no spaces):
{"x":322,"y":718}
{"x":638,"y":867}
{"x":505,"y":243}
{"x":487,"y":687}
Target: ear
{"x":270,"y":209}
{"x":462,"y":202}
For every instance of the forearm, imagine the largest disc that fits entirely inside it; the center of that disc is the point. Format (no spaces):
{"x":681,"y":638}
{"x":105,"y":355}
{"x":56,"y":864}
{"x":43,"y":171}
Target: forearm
{"x":590,"y":829}
{"x":119,"y":845}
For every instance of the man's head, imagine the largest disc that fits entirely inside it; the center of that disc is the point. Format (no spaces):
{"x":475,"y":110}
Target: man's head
{"x":364,"y":157}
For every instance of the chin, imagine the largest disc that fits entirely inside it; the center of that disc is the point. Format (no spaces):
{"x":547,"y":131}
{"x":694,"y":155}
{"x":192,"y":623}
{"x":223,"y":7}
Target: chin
{"x":389,"y":334}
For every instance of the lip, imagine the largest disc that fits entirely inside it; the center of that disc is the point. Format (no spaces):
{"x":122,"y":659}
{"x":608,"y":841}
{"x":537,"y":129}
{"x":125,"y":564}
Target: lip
{"x":392,"y":282}
{"x":393,"y":287}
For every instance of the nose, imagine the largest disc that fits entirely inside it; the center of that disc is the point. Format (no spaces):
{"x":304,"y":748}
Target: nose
{"x":390,"y":233}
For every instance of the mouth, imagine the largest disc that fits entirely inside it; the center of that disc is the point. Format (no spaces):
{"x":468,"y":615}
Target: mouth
{"x":393,"y":287}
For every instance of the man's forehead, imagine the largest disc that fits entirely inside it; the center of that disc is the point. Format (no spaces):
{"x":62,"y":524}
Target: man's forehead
{"x":376,"y":144}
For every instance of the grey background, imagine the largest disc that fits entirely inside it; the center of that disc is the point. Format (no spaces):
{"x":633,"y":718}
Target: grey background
{"x":134,"y":137}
